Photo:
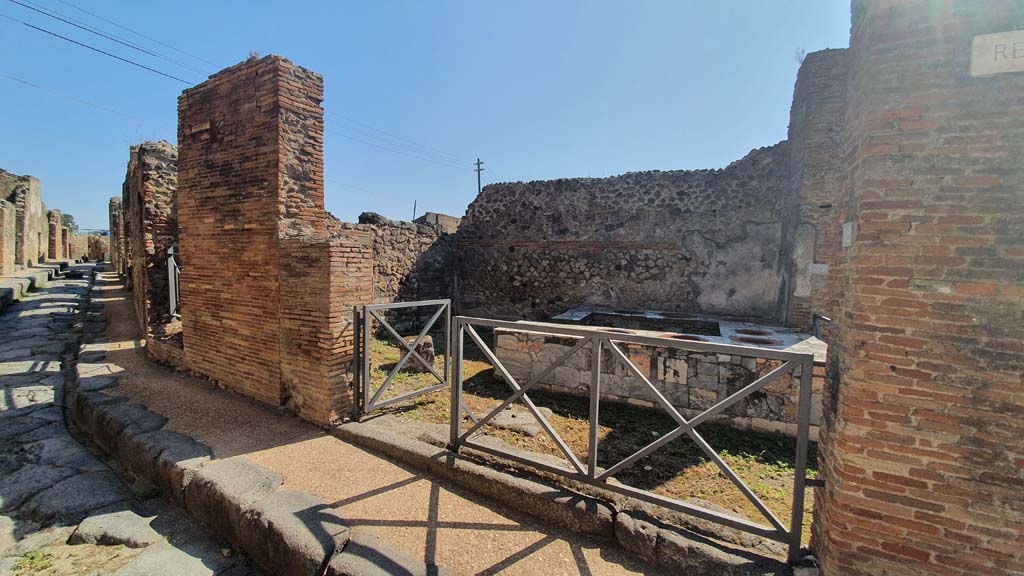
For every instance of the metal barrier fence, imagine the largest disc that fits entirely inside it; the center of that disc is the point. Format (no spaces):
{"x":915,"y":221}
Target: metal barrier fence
{"x":372,"y":399}
{"x":173,"y":282}
{"x":589,"y":472}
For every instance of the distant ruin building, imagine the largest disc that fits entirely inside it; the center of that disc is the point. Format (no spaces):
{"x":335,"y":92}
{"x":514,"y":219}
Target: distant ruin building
{"x":30,"y":231}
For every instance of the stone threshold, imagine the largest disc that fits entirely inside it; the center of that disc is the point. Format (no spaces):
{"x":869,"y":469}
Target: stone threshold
{"x":701,"y":548}
{"x":285,"y":532}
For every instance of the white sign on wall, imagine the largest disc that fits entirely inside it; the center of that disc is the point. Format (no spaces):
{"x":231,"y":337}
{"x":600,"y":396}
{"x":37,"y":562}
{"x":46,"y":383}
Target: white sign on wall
{"x":997,"y":53}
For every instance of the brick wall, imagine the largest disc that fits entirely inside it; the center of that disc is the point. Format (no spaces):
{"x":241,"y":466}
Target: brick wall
{"x":265,"y":308}
{"x":922,"y":447}
{"x":8,"y":235}
{"x":151,"y":223}
{"x":99,"y":247}
{"x":65,"y":242}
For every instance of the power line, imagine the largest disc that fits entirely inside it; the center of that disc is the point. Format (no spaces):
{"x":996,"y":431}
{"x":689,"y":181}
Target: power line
{"x":396,"y":150}
{"x":69,"y":97}
{"x":397,"y":147}
{"x":94,"y":49}
{"x":420,"y":151}
{"x":140,"y":34}
{"x":408,"y":142}
{"x":60,"y":17}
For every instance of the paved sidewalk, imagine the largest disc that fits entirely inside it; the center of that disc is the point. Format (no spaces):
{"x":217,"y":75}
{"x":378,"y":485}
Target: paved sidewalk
{"x":425,"y":518}
{"x":52,"y":488}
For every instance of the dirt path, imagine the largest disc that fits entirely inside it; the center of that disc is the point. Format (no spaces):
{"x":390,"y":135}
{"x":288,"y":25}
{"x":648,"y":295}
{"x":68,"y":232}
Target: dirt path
{"x":460,"y":531}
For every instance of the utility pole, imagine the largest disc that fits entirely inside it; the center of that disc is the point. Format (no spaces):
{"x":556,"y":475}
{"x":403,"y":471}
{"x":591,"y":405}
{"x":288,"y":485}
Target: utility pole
{"x":478,"y":170}
{"x":413,"y":209}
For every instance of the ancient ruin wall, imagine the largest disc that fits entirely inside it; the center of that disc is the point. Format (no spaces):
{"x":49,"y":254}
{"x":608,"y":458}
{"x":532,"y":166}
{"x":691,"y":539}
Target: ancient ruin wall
{"x":266,"y":305}
{"x":922,"y":453}
{"x":116,"y":235}
{"x":98,"y":247}
{"x":8,"y":236}
{"x":702,"y":241}
{"x":411,"y":261}
{"x":79,"y":245}
{"x":25,"y":193}
{"x":815,"y":147}
{"x":151,"y":219}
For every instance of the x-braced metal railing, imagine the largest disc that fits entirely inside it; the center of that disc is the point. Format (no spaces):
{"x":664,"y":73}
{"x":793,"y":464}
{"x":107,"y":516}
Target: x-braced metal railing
{"x":173,"y":282}
{"x":372,"y":399}
{"x":591,"y":473}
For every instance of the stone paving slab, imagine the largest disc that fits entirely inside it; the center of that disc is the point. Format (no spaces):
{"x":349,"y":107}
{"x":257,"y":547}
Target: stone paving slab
{"x":50,"y":482}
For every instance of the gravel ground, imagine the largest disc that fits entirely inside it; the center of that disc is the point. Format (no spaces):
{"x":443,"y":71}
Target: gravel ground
{"x":425,"y":518}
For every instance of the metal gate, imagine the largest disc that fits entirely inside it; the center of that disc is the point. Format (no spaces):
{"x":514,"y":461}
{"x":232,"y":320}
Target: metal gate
{"x":370,"y":399}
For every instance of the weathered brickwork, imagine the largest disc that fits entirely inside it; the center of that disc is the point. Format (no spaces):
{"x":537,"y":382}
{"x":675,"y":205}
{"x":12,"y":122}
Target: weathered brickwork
{"x":8,"y":236}
{"x":25,"y":193}
{"x":99,"y":247}
{"x":116,"y":224}
{"x":55,"y":248}
{"x":693,"y":241}
{"x":815,"y":137}
{"x":65,"y":237}
{"x":922,"y":451}
{"x":151,"y":226}
{"x":79,"y":245}
{"x":266,"y":294}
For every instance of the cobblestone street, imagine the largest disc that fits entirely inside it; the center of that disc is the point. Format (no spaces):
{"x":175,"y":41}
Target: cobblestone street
{"x":64,"y":510}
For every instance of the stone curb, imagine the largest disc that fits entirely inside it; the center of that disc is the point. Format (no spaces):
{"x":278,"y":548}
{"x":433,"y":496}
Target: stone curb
{"x":287,"y":533}
{"x":14,"y":289}
{"x":658,"y":543}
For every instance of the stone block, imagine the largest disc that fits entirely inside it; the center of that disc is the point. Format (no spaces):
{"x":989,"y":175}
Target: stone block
{"x":220,"y":492}
{"x":367,"y":555}
{"x":291,"y":533}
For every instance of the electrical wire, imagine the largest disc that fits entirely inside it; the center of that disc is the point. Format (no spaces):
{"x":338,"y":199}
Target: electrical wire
{"x":69,"y":97}
{"x":62,"y":18}
{"x":94,"y":49}
{"x":137,"y":33}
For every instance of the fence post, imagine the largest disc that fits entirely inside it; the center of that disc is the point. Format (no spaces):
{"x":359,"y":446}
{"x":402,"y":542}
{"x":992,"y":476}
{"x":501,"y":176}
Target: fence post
{"x":595,"y":404}
{"x":803,"y":422}
{"x":172,"y":281}
{"x":456,"y":386}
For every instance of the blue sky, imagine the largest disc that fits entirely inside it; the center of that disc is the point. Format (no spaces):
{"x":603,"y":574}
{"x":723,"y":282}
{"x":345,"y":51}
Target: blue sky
{"x":537,"y":89}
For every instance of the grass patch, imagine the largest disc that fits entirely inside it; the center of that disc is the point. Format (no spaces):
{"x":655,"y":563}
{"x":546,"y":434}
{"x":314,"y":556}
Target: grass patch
{"x":764,"y":461}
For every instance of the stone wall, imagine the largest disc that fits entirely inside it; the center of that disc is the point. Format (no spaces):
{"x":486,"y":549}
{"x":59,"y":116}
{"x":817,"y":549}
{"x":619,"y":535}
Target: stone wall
{"x":8,"y":236}
{"x":266,"y":289}
{"x":922,"y":454}
{"x":445,"y":223}
{"x":411,"y":261}
{"x":151,"y":227}
{"x":32,"y":229}
{"x":707,"y":241}
{"x":99,"y":247}
{"x":65,"y":238}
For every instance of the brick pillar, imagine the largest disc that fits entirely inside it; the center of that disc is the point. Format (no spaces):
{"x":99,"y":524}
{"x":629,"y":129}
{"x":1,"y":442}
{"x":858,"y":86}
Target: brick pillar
{"x":114,"y":250}
{"x":8,"y":236}
{"x":922,"y":449}
{"x":53,"y":236}
{"x":815,"y":147}
{"x":65,"y":239}
{"x":257,"y":309}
